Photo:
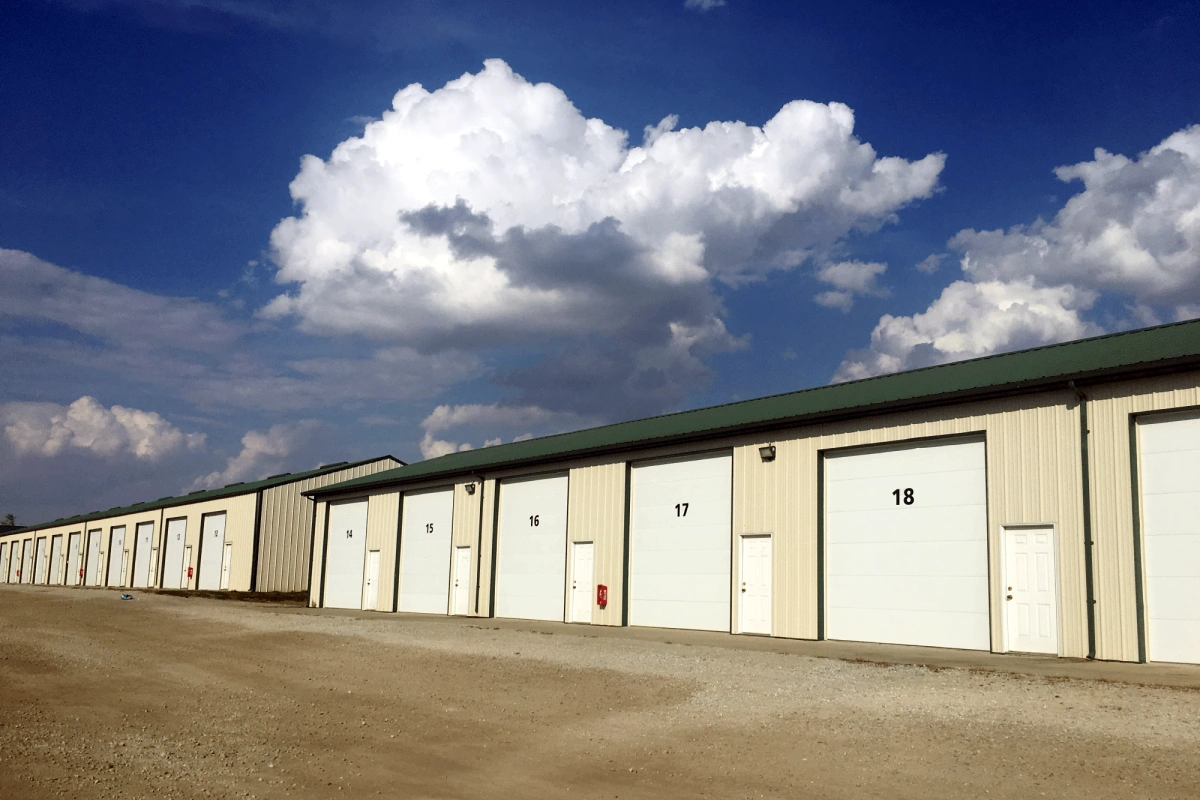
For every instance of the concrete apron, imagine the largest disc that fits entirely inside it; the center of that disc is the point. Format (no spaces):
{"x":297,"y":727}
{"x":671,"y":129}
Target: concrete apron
{"x":1183,"y":676}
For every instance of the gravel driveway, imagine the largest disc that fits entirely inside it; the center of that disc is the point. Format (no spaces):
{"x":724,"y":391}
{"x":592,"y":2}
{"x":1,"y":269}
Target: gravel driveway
{"x":190,"y":697}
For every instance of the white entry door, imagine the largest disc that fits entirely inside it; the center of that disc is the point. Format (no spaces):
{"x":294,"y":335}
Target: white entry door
{"x":1170,"y":482}
{"x":425,"y":551}
{"x":212,"y":550}
{"x":143,"y":561}
{"x":174,"y":569}
{"x":226,"y":564}
{"x":93,"y":567}
{"x":755,"y":594}
{"x":906,"y":550}
{"x":462,"y":581}
{"x":582,"y":580}
{"x":56,"y":560}
{"x":371,"y":595}
{"x":681,"y":543}
{"x":1031,"y":590}
{"x":345,"y":553}
{"x":74,"y":557}
{"x":531,"y":564}
{"x":116,"y":556}
{"x":3,"y":562}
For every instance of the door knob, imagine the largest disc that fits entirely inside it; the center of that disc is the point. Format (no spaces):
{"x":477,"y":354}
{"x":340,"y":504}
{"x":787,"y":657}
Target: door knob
{"x":1010,"y":597}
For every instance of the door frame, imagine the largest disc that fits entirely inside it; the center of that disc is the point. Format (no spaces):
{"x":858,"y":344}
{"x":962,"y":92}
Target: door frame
{"x":737,"y":581}
{"x":366,"y":584}
{"x":456,"y":578}
{"x":1058,"y":583}
{"x":570,"y":615}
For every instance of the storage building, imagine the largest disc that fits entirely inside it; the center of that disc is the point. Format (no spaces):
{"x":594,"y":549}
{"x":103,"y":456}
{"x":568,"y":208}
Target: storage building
{"x":244,"y":537}
{"x":1038,"y":501}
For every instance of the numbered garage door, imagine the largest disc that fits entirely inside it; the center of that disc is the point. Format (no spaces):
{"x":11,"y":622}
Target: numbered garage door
{"x":425,"y":552}
{"x":143,"y":555}
{"x":680,"y":543}
{"x":173,"y":574}
{"x":1170,"y":480}
{"x":531,"y":564}
{"x":906,"y":552}
{"x":345,"y":552}
{"x":212,"y":550}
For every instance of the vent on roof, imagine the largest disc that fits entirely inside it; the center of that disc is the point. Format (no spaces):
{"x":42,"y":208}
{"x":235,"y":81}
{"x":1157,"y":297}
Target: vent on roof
{"x":168,"y":497}
{"x":280,"y":475}
{"x":338,"y":464}
{"x":198,"y":491}
{"x":239,"y":483}
{"x":114,"y":508}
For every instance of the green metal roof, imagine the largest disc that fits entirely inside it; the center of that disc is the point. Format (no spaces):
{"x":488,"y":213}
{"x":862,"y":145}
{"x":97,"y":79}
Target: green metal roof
{"x":1165,"y":347}
{"x":231,"y":490}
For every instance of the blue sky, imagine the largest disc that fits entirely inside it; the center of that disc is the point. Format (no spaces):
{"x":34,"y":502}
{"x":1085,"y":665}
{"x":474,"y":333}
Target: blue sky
{"x":185,"y":303}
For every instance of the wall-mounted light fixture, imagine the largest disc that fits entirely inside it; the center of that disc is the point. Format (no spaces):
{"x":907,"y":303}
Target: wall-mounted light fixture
{"x":470,"y":488}
{"x":767,"y":452}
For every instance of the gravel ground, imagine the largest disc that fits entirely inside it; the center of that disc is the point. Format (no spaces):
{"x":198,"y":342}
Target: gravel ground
{"x":200,"y":698}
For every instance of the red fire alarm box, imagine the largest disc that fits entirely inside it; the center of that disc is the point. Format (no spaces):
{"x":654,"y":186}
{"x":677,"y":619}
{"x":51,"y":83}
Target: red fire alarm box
{"x":601,"y":595}
{"x":189,"y":573}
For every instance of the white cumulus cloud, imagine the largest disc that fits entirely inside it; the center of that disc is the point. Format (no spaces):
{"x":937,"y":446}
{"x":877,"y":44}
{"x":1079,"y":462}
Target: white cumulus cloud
{"x":849,"y":279}
{"x":970,"y":320}
{"x":703,"y":5}
{"x":48,"y":429}
{"x":1132,"y":233}
{"x":286,"y":447}
{"x":488,"y":419}
{"x":491,"y":212}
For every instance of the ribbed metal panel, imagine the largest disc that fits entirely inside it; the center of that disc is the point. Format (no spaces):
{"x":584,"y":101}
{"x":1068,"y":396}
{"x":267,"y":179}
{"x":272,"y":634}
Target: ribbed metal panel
{"x":1033,"y":477}
{"x":596,"y":513}
{"x":1109,"y":413}
{"x":465,"y":529}
{"x":383,"y":515}
{"x":286,"y":528}
{"x":317,"y":532}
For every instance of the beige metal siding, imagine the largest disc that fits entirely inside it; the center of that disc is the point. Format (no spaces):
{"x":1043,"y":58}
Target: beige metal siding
{"x":465,"y":533}
{"x":596,"y":513}
{"x":286,"y":528}
{"x":1033,"y":476}
{"x":130,"y":521}
{"x":318,"y":556}
{"x":484,"y":603}
{"x":383,"y":516}
{"x":1109,"y":410}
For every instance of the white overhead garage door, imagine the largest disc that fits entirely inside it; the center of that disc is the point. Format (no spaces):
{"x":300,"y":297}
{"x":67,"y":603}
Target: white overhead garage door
{"x":56,"y":554}
{"x":212,"y":550}
{"x":74,"y":575}
{"x":1170,"y":451}
{"x":143,"y":561}
{"x":425,"y":552}
{"x":531,"y":562}
{"x":680,"y":543}
{"x":906,"y":554}
{"x":41,"y":561}
{"x":173,"y":567}
{"x":116,"y":556}
{"x":345,"y":553}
